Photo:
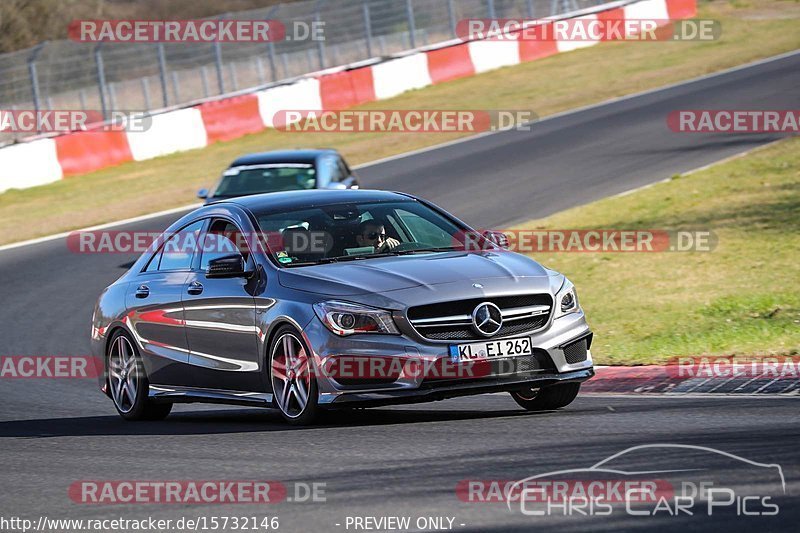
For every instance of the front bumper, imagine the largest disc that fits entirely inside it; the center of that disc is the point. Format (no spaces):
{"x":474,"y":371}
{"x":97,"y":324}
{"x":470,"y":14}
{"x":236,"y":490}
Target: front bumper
{"x":548,"y":366}
{"x":452,"y":389}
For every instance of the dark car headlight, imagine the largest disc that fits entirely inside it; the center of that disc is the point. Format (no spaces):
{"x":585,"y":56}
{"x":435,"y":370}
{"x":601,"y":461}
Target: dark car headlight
{"x":344,"y":318}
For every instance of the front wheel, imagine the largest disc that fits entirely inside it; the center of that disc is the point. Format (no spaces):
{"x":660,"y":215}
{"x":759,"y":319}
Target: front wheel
{"x":294,"y":386}
{"x":547,"y":398}
{"x":127,"y":381}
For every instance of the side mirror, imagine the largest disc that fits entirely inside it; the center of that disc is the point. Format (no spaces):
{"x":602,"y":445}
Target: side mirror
{"x":229,"y":266}
{"x":497,"y":237}
{"x":202,"y":194}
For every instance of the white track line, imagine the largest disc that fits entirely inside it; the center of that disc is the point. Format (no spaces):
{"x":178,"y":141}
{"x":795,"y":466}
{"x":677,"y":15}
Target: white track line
{"x":444,"y":145}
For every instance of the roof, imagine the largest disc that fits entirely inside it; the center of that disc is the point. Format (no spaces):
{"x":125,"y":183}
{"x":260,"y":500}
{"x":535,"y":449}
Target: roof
{"x":288,"y":200}
{"x":282,"y":156}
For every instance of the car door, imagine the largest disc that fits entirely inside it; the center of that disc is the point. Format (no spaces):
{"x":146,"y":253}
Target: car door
{"x":220,"y":316}
{"x":156,"y":316}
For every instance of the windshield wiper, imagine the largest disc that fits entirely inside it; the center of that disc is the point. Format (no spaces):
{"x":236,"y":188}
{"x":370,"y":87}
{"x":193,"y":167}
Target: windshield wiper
{"x":342,"y":259}
{"x":430,"y":250}
{"x":345,"y":258}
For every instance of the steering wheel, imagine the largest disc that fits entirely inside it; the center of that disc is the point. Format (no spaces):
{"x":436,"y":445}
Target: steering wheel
{"x":410,"y":245}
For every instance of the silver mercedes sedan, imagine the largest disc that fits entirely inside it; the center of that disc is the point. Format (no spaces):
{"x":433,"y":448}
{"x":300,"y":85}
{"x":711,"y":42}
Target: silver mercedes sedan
{"x":312,"y":300}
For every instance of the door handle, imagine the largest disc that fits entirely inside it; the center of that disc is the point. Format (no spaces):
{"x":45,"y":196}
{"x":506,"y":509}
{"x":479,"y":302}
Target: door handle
{"x":143,"y":291}
{"x":195,"y":287}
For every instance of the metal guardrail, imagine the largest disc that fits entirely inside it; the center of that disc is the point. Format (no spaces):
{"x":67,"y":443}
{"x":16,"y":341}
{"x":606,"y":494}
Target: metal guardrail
{"x":152,"y":76}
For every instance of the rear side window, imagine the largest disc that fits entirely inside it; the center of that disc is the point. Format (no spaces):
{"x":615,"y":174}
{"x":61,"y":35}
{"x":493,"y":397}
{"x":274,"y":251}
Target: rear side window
{"x":177,"y":252}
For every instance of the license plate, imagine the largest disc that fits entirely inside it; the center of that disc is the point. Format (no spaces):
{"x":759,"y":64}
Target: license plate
{"x":476,"y":351}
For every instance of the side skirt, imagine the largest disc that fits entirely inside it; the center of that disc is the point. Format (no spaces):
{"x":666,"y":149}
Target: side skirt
{"x":175,"y":394}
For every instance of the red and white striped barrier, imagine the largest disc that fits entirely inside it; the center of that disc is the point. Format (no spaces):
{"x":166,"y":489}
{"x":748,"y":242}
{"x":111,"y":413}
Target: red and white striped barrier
{"x":44,"y":161}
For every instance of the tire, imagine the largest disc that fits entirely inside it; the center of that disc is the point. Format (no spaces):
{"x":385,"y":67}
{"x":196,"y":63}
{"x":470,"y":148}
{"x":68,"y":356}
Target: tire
{"x":547,"y":398}
{"x":291,"y":373}
{"x":127,"y":382}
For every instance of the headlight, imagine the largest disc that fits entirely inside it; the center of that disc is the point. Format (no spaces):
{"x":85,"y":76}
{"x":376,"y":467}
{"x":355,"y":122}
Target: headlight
{"x":345,"y":318}
{"x":566,"y":299}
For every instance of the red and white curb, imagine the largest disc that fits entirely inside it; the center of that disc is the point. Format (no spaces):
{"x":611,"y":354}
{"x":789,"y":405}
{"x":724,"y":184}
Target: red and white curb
{"x":667,"y":379}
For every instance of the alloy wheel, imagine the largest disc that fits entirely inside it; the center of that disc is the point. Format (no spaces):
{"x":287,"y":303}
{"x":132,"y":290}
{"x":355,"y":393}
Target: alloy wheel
{"x":123,"y":374}
{"x":291,"y":375}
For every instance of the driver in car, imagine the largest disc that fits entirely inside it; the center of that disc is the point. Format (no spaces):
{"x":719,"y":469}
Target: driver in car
{"x":373,"y":233}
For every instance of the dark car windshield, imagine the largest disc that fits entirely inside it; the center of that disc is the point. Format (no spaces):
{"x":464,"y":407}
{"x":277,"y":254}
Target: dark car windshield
{"x":257,"y":179}
{"x":357,"y":231}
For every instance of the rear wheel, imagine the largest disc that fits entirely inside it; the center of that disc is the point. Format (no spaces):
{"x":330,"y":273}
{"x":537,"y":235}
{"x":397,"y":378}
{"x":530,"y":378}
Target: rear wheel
{"x":547,"y":398}
{"x":294,"y":386}
{"x":128,"y":384}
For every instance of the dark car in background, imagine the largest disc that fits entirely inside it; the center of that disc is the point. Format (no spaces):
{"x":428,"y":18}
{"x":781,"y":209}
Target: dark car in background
{"x":282,"y":170}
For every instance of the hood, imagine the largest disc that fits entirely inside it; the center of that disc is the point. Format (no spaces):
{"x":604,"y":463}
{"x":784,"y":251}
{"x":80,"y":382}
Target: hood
{"x":397,"y":273}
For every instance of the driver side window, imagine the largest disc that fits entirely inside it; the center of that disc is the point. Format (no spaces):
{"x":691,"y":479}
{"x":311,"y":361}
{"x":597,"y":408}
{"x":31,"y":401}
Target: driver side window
{"x":223,"y":238}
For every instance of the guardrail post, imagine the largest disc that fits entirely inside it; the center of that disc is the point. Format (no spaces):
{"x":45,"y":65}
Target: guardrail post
{"x":368,"y":27}
{"x":35,"y":80}
{"x":101,"y":78}
{"x":162,"y":73}
{"x":451,"y":15}
{"x":412,"y":27}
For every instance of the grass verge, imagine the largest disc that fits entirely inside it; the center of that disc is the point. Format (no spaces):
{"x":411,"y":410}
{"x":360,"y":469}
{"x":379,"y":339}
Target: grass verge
{"x":750,"y":30}
{"x":740,"y":299}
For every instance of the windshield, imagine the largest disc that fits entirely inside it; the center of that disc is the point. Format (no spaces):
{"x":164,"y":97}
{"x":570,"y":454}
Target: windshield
{"x":360,"y":231}
{"x":256,"y":179}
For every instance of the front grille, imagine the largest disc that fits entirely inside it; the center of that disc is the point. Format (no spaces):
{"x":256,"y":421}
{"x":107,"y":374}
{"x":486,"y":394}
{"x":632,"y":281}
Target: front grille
{"x":453,"y":320}
{"x":576,"y":352}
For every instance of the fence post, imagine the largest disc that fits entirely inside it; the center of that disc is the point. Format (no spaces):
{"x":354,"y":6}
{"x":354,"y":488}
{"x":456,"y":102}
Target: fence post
{"x":451,"y":14}
{"x":218,"y":63}
{"x":260,"y":70}
{"x":204,"y":81}
{"x":234,"y":81}
{"x":35,"y":80}
{"x":112,"y":96}
{"x":320,"y":43}
{"x":490,"y":9}
{"x":367,"y":27}
{"x":272,"y":65}
{"x":146,"y":93}
{"x":101,"y":78}
{"x":162,"y":73}
{"x":530,"y":8}
{"x":412,"y":28}
{"x":176,"y":89}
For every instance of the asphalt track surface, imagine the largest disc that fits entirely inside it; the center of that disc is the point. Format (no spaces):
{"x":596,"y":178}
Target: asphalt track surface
{"x":403,"y":460}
